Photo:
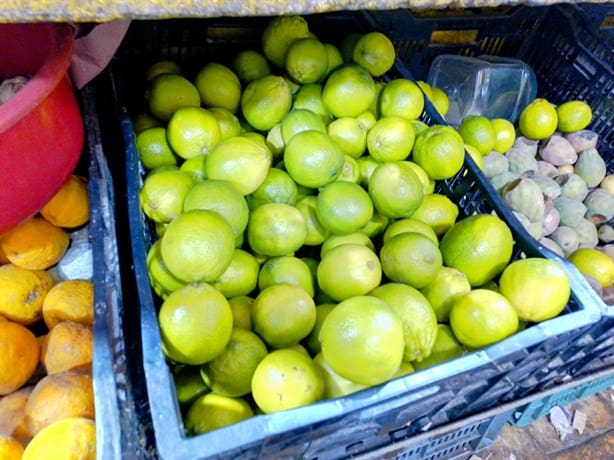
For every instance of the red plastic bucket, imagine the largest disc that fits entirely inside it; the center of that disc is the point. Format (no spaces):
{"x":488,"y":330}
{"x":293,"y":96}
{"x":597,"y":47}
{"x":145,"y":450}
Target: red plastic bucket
{"x":41,"y":129}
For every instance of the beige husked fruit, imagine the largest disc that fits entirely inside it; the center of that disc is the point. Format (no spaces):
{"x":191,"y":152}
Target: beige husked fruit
{"x":286,"y":379}
{"x":195,"y":324}
{"x":362,"y":340}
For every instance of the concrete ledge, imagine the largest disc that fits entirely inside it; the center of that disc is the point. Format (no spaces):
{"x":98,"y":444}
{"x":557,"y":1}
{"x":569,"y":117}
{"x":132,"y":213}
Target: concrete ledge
{"x":106,"y":10}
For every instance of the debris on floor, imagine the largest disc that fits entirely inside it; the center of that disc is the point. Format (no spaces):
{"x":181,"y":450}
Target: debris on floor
{"x":560,"y":421}
{"x":579,"y":421}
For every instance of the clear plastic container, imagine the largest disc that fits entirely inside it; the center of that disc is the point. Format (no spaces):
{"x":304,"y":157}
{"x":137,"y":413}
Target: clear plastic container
{"x":493,"y":86}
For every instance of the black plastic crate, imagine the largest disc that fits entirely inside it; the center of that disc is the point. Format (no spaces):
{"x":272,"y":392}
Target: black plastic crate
{"x":359,"y":423}
{"x":569,"y":59}
{"x":600,"y":18}
{"x":602,"y":356}
{"x":536,"y":409}
{"x":118,"y":428}
{"x":566,"y":48}
{"x":454,"y":441}
{"x":108,"y":434}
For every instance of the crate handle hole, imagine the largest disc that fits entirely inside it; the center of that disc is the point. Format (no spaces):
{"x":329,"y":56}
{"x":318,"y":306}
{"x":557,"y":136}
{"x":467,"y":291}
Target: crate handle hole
{"x":453,"y":37}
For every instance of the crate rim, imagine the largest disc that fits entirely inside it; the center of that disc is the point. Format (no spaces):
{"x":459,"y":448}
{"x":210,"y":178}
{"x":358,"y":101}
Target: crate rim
{"x":509,"y":407}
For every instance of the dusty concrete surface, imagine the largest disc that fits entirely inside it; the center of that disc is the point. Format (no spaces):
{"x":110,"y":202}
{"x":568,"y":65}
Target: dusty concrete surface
{"x":540,"y":440}
{"x":106,"y":10}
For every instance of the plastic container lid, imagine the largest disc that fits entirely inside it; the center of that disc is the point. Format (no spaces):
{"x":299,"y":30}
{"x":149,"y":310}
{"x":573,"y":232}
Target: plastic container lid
{"x":492,"y":86}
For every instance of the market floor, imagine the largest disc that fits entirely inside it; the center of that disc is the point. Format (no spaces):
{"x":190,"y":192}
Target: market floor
{"x":541,"y":441}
